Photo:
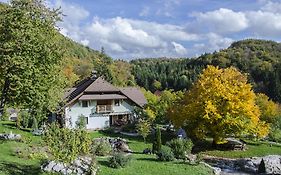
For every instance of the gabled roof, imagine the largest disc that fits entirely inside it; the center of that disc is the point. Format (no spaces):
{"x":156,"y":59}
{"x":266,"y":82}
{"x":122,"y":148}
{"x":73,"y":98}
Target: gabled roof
{"x":135,"y":95}
{"x":98,"y":89}
{"x":100,"y":85}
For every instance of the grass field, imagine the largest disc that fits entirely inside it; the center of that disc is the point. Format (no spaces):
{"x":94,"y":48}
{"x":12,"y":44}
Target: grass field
{"x":11,"y":164}
{"x":140,"y":164}
{"x":254,"y":149}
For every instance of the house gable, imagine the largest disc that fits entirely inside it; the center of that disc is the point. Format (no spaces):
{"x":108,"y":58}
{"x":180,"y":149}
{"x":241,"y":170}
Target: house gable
{"x":100,"y":85}
{"x":98,"y":88}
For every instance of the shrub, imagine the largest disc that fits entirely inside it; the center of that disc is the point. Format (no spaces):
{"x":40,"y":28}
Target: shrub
{"x":101,"y":147}
{"x":5,"y":115}
{"x":275,"y":135}
{"x":165,"y":154}
{"x":81,"y":122}
{"x":180,"y":147}
{"x":275,"y":131}
{"x":38,"y":156}
{"x":34,"y":123}
{"x":119,"y":160}
{"x":129,"y":127}
{"x":66,"y":144}
{"x":93,"y":168}
{"x":26,"y":139}
{"x":25,"y":119}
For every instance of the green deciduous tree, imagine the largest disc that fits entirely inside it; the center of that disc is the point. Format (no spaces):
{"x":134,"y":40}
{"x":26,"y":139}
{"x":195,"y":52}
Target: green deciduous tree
{"x":157,"y":106}
{"x":143,"y":128}
{"x":220,"y":103}
{"x":157,"y":85}
{"x":269,"y":109}
{"x":30,"y":74}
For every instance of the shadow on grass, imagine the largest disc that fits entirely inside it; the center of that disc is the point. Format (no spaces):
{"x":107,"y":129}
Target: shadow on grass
{"x":136,"y":152}
{"x":151,"y":159}
{"x":104,"y":163}
{"x":109,"y":133}
{"x":17,"y":169}
{"x":12,"y":125}
{"x":166,"y":136}
{"x":202,"y":146}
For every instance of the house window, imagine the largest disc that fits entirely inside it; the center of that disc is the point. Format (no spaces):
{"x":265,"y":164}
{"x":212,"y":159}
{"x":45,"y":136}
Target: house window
{"x":117,"y":102}
{"x":84,"y":104}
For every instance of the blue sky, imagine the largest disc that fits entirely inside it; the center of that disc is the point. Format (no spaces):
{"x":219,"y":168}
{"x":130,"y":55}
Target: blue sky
{"x":131,"y":29}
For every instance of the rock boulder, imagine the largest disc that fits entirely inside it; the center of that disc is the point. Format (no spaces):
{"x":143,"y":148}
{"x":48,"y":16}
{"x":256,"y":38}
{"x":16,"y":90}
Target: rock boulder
{"x":80,"y":166}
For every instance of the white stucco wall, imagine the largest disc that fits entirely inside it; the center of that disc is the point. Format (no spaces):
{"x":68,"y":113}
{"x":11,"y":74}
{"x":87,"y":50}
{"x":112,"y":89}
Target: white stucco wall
{"x":124,"y":107}
{"x":95,"y":121}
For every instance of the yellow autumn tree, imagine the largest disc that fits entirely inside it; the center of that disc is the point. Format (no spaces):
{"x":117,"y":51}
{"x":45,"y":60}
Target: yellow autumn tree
{"x":220,"y":104}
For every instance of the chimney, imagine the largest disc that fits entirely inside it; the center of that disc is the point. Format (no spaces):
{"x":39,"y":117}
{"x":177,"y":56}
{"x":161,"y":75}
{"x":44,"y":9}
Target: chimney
{"x":94,"y":74}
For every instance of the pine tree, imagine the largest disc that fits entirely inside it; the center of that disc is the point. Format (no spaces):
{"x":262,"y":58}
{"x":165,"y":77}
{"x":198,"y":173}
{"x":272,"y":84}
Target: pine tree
{"x":157,"y":143}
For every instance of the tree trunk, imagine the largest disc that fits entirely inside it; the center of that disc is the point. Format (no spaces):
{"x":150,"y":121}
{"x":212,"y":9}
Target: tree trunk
{"x":4,"y":96}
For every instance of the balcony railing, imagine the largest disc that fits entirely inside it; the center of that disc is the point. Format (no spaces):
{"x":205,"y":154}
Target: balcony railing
{"x":104,"y":108}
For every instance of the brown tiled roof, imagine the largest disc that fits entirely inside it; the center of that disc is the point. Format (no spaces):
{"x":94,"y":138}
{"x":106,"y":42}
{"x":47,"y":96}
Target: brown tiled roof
{"x":93,"y":88}
{"x":100,"y":85}
{"x":102,"y":97}
{"x":135,"y":95}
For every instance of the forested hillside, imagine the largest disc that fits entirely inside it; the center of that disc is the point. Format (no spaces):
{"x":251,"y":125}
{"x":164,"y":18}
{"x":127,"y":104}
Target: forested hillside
{"x":261,"y":59}
{"x":80,"y":61}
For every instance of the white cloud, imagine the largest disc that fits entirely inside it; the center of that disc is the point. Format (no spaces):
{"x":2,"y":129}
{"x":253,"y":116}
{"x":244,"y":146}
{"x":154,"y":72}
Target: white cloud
{"x":213,"y":42}
{"x":145,"y":11}
{"x":265,"y":23}
{"x":124,"y":37}
{"x":85,"y":42}
{"x":73,"y":15}
{"x":274,"y":7}
{"x":179,"y":48}
{"x":73,"y":12}
{"x":222,"y":20}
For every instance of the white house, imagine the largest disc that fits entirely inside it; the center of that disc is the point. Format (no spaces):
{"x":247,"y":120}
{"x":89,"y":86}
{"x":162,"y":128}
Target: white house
{"x":101,"y":103}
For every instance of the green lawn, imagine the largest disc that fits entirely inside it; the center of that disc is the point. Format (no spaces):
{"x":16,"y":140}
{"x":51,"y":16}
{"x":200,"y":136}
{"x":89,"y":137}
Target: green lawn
{"x":11,"y":164}
{"x":253,"y":150}
{"x":147,"y":164}
{"x":140,"y":164}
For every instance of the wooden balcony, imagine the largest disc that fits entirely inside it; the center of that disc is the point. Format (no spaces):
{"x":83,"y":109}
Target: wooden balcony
{"x":104,"y":108}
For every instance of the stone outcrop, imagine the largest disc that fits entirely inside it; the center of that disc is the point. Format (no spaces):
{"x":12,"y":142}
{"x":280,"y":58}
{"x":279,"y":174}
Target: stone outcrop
{"x":117,"y":144}
{"x":271,"y":164}
{"x":80,"y":166}
{"x":10,"y":136}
